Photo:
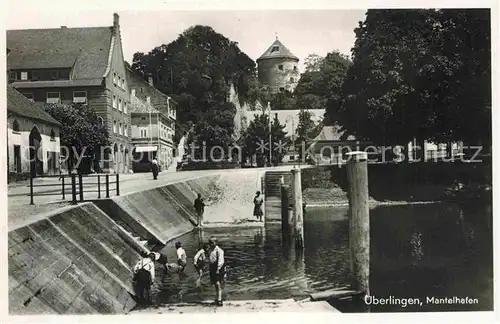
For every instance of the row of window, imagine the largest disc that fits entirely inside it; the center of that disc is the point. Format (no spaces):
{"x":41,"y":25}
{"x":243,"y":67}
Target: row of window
{"x":120,"y":128}
{"x":165,"y":132}
{"x":118,"y":81}
{"x":120,"y":104}
{"x":55,"y":97}
{"x":39,"y":75}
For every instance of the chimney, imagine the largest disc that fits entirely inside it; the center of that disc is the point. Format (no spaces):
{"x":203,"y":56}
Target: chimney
{"x":148,"y":99}
{"x":116,"y":24}
{"x":64,"y":27}
{"x":116,"y":20}
{"x":133,"y":93}
{"x":150,"y":81}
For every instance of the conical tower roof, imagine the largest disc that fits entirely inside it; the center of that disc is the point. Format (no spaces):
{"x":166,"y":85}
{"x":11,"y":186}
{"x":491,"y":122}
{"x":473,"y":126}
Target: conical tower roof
{"x":277,"y":50}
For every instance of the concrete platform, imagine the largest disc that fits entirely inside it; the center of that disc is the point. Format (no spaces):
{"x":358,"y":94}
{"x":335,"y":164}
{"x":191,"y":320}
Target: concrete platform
{"x":237,"y":306}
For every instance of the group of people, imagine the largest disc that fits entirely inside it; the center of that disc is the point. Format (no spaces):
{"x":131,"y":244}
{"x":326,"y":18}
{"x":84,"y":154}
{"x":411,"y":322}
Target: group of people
{"x":210,"y":256}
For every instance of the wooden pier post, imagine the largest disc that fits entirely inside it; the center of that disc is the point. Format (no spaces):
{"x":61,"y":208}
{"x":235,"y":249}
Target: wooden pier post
{"x":359,"y":221}
{"x":285,"y":225}
{"x":298,"y":229}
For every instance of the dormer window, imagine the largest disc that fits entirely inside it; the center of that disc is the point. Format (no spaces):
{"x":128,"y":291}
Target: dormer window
{"x":24,"y":76}
{"x":275,"y":49}
{"x":12,"y":76}
{"x":54,"y":74}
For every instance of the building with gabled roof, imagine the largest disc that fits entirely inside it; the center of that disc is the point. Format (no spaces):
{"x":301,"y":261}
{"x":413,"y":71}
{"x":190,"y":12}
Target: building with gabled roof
{"x":277,"y":68}
{"x":76,"y":65}
{"x":32,"y":138}
{"x":155,"y":134}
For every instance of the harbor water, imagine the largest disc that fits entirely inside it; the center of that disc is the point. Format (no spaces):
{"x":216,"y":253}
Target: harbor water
{"x":417,"y":251}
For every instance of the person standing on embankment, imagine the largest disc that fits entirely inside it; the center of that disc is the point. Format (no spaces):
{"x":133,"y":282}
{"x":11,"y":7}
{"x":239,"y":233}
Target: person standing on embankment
{"x":257,"y":208}
{"x":199,"y":206}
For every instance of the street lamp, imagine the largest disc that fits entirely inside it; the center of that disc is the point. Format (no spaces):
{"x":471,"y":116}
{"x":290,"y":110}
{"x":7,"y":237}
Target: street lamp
{"x":270,"y":136}
{"x":293,"y":137}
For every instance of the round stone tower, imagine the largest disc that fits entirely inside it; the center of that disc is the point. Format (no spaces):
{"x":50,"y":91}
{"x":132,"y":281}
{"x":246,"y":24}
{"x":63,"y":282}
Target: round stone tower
{"x":278,"y":68}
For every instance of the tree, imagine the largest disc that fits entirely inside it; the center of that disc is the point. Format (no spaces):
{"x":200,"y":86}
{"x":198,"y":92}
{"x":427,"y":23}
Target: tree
{"x":320,"y":86}
{"x":196,"y":70}
{"x":306,"y":131}
{"x":409,"y":77}
{"x":255,"y":140}
{"x":81,"y":131}
{"x":467,"y":45}
{"x":313,"y":63}
{"x":279,"y":141}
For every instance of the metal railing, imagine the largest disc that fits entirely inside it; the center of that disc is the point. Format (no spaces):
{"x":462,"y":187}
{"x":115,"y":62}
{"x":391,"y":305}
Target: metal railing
{"x":71,"y":186}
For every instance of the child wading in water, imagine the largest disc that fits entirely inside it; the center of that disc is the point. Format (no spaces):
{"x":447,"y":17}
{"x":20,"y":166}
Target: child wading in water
{"x":181,"y":257}
{"x":200,"y":260}
{"x":257,"y":209}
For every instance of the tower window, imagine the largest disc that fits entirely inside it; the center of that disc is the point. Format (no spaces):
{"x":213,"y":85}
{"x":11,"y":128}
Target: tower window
{"x":282,"y":89}
{"x":295,"y":68}
{"x":280,"y":67}
{"x":275,"y":49}
{"x":292,"y":80}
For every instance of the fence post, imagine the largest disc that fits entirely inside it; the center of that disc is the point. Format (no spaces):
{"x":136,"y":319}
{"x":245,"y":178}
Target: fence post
{"x":31,"y":189}
{"x":80,"y":186}
{"x":107,"y":185}
{"x":117,"y":184}
{"x":98,"y":186}
{"x":63,"y":188}
{"x":73,"y":189}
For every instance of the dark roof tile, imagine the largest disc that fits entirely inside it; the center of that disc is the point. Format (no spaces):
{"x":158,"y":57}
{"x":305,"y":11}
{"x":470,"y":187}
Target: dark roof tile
{"x":84,"y":49}
{"x":281,"y":52}
{"x":19,"y":105}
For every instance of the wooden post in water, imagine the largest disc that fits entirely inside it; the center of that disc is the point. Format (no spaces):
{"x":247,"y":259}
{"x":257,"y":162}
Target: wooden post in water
{"x":359,"y":221}
{"x":285,"y":226}
{"x":298,"y":229}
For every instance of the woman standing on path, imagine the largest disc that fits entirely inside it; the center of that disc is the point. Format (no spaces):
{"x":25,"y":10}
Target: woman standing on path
{"x":257,"y":209}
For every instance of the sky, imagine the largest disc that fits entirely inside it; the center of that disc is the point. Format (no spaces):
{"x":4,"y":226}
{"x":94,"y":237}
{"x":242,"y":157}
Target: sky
{"x":302,"y":31}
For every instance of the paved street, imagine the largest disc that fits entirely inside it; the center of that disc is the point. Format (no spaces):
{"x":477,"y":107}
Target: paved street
{"x":21,"y":212}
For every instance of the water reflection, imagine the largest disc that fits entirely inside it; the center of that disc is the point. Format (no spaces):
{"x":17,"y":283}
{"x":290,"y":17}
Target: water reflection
{"x":415,"y":251}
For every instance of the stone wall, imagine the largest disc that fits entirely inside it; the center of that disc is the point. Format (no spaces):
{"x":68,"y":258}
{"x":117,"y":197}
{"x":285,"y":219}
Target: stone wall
{"x":159,"y":214}
{"x":79,"y":260}
{"x":74,"y":262}
{"x":271,"y":75}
